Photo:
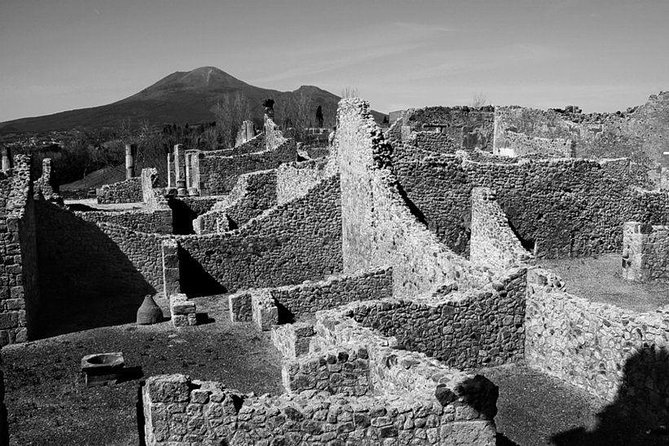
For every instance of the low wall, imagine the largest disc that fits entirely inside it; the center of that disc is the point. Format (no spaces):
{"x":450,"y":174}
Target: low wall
{"x":464,"y":330}
{"x":127,"y":191}
{"x":158,"y":221}
{"x":616,"y":354}
{"x":297,"y":241}
{"x":180,"y":410}
{"x":304,"y":300}
{"x":219,"y":174}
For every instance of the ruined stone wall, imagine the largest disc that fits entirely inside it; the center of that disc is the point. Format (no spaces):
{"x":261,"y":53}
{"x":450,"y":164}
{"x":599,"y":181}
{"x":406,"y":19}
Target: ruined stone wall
{"x":640,"y":133}
{"x":436,"y":142}
{"x":339,"y":370}
{"x":613,"y":353}
{"x":253,"y":194}
{"x":519,"y":144}
{"x":178,"y":409}
{"x":273,"y":136}
{"x":157,"y":221}
{"x":295,"y":179}
{"x":467,"y":127}
{"x":464,"y":330}
{"x":94,"y":273}
{"x":219,"y":173}
{"x":19,"y":295}
{"x":126,"y":191}
{"x":492,"y":242}
{"x":304,"y":300}
{"x":297,"y":241}
{"x":645,"y":252}
{"x":559,"y":208}
{"x":381,"y":226}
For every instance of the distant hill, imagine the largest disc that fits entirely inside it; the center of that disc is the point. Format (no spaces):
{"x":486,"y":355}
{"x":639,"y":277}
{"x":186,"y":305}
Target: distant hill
{"x":182,"y":97}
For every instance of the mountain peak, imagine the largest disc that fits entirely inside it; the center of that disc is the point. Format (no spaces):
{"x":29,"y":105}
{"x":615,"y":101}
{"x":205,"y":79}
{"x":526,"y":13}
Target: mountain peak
{"x":203,"y":78}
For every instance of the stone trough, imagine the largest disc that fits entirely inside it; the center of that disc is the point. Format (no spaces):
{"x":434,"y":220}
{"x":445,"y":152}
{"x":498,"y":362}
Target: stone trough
{"x":103,"y":368}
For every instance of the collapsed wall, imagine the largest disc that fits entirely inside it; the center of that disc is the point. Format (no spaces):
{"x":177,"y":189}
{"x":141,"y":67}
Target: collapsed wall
{"x":557,"y":208}
{"x":299,"y":240}
{"x":218,"y":170}
{"x":381,"y":225}
{"x":19,"y":294}
{"x":640,"y":133}
{"x":617,"y":354}
{"x":126,"y":191}
{"x":463,"y":128}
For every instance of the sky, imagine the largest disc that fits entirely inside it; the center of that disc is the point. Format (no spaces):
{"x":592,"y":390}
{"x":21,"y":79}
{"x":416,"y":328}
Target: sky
{"x":603,"y":55}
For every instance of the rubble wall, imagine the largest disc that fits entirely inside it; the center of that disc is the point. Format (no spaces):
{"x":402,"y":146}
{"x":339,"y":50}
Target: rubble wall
{"x":493,"y":244}
{"x":558,"y":208}
{"x":640,"y":133}
{"x":219,"y":174}
{"x":126,"y":191}
{"x":381,"y":226}
{"x":253,"y":194}
{"x":306,"y":299}
{"x":295,"y":179}
{"x":19,"y":293}
{"x":463,"y":330}
{"x":83,"y":264}
{"x":297,"y":241}
{"x":158,"y":221}
{"x":178,"y":409}
{"x":468,"y":128}
{"x":616,"y":354}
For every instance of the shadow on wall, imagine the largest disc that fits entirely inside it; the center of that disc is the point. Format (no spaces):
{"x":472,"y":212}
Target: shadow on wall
{"x":640,"y":413}
{"x":85,"y":280}
{"x":194,"y":280}
{"x":182,"y":217}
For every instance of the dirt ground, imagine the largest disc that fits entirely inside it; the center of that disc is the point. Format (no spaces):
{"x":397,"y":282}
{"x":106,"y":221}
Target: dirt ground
{"x":600,"y":279}
{"x":48,"y":403}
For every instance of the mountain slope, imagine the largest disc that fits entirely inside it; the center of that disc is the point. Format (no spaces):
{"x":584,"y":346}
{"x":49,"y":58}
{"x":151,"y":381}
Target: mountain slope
{"x":181,"y":97}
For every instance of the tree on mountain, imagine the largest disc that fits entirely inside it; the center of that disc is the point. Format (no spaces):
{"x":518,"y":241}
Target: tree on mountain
{"x":319,"y":116}
{"x":230,"y":112}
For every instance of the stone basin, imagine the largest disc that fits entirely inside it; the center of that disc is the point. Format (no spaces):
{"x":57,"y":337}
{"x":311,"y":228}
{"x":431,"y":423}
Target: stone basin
{"x":102,"y":368}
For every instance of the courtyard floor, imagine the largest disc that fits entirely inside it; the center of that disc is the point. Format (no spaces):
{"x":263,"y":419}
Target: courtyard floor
{"x":48,"y":403}
{"x":599,"y":279}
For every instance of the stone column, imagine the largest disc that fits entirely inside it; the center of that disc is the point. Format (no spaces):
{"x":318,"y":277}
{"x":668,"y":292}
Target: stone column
{"x":130,"y":151}
{"x":178,"y":178}
{"x":187,"y":160}
{"x":170,"y":182}
{"x":6,"y":160}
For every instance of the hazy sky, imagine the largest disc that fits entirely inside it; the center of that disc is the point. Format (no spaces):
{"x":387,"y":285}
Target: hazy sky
{"x":603,"y":55}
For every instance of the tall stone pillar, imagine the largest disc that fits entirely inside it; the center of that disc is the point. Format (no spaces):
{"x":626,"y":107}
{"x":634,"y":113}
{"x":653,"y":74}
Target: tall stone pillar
{"x":130,"y":152}
{"x":170,"y":173}
{"x":187,"y":160}
{"x":6,"y":160}
{"x":178,"y":177}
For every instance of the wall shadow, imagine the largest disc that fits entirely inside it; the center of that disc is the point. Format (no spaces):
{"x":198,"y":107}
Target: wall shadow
{"x":85,"y":280}
{"x":640,"y":413}
{"x":182,"y":217}
{"x":194,"y":280}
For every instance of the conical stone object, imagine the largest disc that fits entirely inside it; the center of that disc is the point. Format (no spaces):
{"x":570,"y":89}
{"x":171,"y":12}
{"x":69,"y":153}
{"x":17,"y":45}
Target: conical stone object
{"x":149,"y":313}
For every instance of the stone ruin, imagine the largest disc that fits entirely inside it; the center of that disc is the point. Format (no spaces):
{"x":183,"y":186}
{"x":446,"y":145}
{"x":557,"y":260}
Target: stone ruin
{"x":388,"y":273}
